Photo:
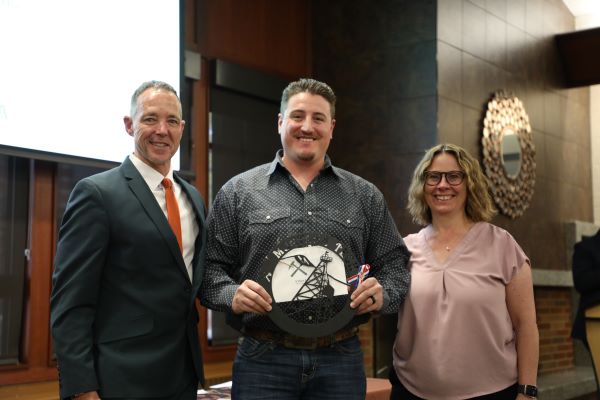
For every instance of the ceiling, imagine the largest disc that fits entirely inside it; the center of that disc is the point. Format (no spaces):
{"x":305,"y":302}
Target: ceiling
{"x":586,"y":12}
{"x":582,"y":7}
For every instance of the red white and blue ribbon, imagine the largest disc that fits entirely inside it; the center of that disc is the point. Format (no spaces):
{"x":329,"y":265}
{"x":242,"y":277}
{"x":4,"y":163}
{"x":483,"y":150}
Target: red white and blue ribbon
{"x":357,"y":279}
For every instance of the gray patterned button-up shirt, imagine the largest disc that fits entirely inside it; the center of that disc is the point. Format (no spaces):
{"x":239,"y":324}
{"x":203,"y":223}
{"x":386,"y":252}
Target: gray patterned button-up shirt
{"x":256,"y":209}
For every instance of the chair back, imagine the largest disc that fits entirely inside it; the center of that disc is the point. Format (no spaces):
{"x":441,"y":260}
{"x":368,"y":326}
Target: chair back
{"x":592,"y":330}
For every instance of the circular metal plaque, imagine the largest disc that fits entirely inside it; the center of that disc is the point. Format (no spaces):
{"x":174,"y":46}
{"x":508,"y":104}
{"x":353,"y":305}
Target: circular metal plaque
{"x":306,"y":278}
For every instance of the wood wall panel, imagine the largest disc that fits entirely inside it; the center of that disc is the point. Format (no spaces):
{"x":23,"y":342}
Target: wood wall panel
{"x":190,"y":28}
{"x":35,"y":354}
{"x":272,"y":36}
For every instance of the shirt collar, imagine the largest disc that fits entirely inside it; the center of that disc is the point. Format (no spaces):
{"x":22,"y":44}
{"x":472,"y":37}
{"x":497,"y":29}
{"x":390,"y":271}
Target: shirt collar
{"x":278,"y":160}
{"x":151,"y":176}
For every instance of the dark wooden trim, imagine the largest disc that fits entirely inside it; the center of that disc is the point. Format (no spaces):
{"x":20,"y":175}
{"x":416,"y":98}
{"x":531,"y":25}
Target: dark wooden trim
{"x":190,"y":24}
{"x":200,"y":107}
{"x":199,"y":131}
{"x":53,"y":239}
{"x":35,"y":365}
{"x":40,"y":273}
{"x":212,"y":354}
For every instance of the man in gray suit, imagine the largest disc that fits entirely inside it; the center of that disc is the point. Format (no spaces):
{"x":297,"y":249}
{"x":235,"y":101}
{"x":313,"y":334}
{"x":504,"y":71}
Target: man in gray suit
{"x":123,"y":315}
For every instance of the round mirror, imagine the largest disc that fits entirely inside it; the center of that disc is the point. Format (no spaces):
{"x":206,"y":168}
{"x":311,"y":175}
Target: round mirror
{"x":511,"y":152}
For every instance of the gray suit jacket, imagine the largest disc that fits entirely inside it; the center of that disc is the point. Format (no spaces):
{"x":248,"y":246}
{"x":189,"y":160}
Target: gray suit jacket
{"x":122,"y":308}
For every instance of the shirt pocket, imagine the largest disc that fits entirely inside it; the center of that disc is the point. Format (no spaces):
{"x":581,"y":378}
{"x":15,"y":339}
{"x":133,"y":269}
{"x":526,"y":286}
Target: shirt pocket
{"x":348,"y":226}
{"x":349,"y":219}
{"x":268,"y":216}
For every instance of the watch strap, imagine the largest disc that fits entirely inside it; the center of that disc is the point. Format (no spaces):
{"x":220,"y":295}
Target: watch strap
{"x":528,"y":390}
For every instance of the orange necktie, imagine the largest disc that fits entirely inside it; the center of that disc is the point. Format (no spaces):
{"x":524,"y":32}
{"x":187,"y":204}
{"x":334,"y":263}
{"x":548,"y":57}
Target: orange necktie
{"x":173,"y":210}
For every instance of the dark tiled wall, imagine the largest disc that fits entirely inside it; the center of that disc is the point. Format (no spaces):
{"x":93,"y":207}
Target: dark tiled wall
{"x":484,"y":46}
{"x":410,"y":74}
{"x":379,"y":57}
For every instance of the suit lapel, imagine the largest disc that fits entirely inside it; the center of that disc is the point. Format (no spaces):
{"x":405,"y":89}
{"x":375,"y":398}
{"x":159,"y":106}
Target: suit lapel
{"x":148,"y":202}
{"x":200,"y":243}
{"x":194,"y":198}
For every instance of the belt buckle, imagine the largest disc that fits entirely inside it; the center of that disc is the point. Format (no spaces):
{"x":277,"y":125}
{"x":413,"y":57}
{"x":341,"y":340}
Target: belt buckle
{"x":294,"y":343}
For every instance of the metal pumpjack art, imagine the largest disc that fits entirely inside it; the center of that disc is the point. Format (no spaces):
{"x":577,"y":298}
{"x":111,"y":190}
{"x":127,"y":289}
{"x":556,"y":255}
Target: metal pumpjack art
{"x":306,"y":277}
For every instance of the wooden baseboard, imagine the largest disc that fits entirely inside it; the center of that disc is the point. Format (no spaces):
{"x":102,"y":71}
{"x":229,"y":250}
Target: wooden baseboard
{"x":217,"y":372}
{"x":30,"y":391}
{"x":214,"y":372}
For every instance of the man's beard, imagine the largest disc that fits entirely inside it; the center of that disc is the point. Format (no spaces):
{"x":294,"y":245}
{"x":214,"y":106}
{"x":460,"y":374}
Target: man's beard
{"x":306,"y":156}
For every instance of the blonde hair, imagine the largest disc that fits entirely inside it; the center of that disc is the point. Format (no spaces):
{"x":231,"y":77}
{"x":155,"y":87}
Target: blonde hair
{"x":479,"y":205}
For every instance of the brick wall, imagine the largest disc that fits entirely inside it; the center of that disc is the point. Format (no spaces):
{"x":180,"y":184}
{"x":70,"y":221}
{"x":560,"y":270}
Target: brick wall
{"x":553,"y":306}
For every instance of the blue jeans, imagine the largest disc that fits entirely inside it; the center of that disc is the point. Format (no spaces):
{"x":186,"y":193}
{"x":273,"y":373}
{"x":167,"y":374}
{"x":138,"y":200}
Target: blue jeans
{"x":264,"y":370}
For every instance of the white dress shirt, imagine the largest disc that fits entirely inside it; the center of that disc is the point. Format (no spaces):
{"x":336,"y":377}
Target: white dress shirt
{"x":189,"y":223}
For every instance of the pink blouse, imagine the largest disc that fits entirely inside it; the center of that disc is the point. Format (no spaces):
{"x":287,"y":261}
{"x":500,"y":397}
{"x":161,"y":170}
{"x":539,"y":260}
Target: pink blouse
{"x":455,"y":338}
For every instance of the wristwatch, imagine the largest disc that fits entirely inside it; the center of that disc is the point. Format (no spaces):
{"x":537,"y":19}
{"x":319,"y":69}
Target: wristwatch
{"x":527,"y":390}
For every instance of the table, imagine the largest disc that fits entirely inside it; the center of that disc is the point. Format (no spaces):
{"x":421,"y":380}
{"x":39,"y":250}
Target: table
{"x":377,"y":389}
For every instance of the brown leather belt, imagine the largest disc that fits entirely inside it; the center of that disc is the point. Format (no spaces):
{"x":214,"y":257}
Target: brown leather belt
{"x":298,"y":342}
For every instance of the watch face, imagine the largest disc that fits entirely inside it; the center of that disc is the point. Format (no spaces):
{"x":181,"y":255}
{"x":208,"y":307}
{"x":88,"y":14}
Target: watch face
{"x":532,"y":391}
{"x":306,"y":277}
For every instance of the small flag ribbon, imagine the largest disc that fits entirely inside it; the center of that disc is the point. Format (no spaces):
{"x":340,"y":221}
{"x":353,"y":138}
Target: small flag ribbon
{"x":357,"y":279}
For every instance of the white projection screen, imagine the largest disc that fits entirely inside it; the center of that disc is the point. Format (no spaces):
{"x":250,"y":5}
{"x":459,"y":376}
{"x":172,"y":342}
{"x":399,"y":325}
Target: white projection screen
{"x":68,"y":69}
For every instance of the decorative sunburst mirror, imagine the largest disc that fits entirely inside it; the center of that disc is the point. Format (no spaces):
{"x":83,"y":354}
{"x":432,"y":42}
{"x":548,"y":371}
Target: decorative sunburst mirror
{"x":509,"y":154}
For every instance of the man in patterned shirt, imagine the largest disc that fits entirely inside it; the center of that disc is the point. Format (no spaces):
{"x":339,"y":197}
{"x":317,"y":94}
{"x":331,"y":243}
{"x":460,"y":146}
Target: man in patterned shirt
{"x":300,"y":193}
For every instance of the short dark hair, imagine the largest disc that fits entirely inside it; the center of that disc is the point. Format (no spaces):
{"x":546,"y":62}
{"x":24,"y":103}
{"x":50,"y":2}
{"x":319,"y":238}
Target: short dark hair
{"x":479,"y":206}
{"x":308,"y":85}
{"x":157,"y":85}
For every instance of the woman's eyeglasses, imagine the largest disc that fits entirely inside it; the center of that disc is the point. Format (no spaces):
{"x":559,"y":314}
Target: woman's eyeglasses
{"x":453,"y":178}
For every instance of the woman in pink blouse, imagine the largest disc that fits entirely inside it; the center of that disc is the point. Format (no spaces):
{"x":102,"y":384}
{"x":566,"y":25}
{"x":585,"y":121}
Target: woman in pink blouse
{"x":468,"y":328}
